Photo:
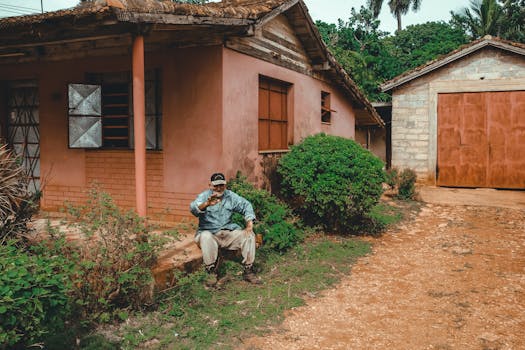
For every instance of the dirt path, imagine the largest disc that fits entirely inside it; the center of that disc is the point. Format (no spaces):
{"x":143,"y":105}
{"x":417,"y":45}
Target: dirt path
{"x":451,"y":277}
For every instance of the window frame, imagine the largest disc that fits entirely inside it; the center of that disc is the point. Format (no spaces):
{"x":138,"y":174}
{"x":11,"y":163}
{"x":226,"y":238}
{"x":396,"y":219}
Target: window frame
{"x":326,"y":109}
{"x":267,"y":113}
{"x":153,"y":109}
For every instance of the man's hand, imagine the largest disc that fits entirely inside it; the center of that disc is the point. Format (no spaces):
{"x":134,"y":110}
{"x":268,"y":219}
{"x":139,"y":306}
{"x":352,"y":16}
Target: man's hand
{"x":212,"y":200}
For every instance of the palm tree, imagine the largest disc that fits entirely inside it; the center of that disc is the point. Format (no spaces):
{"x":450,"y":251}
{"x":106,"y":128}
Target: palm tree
{"x":482,"y":18}
{"x":513,"y":20}
{"x":397,"y":8}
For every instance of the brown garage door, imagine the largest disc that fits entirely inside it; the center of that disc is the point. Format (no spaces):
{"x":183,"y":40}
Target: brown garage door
{"x":481,"y":139}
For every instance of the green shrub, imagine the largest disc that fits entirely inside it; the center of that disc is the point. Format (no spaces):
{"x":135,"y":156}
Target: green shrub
{"x":406,"y":184}
{"x":274,"y":219}
{"x":392,"y":178}
{"x":113,"y":261}
{"x":331,"y":181}
{"x":34,"y":294}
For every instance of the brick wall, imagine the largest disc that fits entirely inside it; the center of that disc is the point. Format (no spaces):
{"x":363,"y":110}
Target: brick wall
{"x":114,"y":172}
{"x":414,"y":105}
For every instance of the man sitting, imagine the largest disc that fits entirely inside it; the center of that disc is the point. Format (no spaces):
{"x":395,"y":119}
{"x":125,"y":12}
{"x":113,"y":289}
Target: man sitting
{"x":214,"y":208}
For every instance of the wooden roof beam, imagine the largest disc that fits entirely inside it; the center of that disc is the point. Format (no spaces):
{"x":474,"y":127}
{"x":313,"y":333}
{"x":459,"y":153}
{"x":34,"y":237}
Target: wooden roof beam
{"x":322,"y":66}
{"x":65,"y":41}
{"x":167,"y":18}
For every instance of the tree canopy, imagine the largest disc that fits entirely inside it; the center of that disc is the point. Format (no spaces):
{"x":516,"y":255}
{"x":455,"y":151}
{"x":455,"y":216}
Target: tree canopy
{"x":372,"y":56}
{"x":502,"y":18}
{"x":420,"y":43}
{"x":357,"y":45}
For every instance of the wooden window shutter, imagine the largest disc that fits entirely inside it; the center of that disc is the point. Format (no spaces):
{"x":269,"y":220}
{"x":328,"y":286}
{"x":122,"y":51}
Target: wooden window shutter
{"x":273,"y":114}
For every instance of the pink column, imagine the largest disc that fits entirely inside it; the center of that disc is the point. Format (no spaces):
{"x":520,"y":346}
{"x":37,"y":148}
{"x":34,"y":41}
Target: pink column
{"x":139,"y":122}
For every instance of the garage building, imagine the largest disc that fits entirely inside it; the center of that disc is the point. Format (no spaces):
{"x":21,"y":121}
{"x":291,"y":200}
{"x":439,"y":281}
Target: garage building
{"x":459,"y":120}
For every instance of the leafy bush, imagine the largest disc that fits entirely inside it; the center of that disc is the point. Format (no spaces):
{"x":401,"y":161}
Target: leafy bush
{"x":274,"y":218}
{"x":331,"y":181}
{"x":392,"y":178}
{"x":406,"y":184}
{"x":17,"y":205}
{"x":34,"y":300}
{"x":113,"y":261}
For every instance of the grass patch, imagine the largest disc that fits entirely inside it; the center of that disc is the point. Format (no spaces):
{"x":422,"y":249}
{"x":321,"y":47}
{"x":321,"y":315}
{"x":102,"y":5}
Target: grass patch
{"x":192,"y":317}
{"x":386,"y":214}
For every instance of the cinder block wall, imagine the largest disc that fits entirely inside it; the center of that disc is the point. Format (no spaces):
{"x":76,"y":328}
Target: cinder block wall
{"x":410,"y":127}
{"x":414,"y":105}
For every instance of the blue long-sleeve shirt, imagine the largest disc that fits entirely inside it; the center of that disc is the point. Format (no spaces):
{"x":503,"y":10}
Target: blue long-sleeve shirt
{"x":219,"y":216}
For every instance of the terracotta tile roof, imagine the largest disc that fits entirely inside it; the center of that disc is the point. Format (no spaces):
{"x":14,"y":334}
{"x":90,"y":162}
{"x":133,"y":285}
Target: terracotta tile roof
{"x":242,"y":9}
{"x":452,"y":56}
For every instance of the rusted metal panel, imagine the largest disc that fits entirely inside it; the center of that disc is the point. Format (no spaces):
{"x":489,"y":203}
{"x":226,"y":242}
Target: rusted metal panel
{"x":499,"y":126}
{"x":481,"y":139}
{"x":506,"y":128}
{"x":473,"y":141}
{"x":449,"y":110}
{"x":516,"y":149}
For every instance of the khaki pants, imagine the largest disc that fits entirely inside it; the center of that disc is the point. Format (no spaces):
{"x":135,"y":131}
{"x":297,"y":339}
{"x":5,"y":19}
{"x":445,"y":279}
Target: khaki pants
{"x":231,"y":240}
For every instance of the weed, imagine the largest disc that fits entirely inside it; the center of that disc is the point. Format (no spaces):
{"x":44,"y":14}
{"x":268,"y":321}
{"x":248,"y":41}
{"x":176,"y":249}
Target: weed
{"x":391,"y":177}
{"x":113,"y":260}
{"x":34,"y":291}
{"x":406,"y":186}
{"x":403,"y":181}
{"x":17,"y":204}
{"x":192,"y":317}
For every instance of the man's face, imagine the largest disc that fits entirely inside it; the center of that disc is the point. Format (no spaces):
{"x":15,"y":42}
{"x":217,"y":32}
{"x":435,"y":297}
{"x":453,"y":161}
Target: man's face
{"x":218,"y":189}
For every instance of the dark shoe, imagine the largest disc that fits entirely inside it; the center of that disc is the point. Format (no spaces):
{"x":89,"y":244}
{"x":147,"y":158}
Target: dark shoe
{"x":249,"y":276}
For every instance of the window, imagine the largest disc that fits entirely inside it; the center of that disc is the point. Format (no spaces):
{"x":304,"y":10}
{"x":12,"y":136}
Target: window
{"x":116,"y":111}
{"x":326,"y":112}
{"x":273,"y":114}
{"x":101,"y":112}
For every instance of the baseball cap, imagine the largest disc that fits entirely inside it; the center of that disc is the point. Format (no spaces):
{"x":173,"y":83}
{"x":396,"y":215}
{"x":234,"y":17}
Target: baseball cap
{"x":218,"y":179}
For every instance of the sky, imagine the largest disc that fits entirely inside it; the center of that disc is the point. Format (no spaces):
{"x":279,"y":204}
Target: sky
{"x":326,"y":10}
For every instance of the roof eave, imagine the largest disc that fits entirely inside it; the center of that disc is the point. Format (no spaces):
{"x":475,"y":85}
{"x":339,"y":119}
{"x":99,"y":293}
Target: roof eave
{"x":275,"y":12}
{"x":167,"y":18}
{"x":329,"y":61}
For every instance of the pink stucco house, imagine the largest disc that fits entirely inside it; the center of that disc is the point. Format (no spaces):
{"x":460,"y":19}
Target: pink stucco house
{"x":148,"y":98}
